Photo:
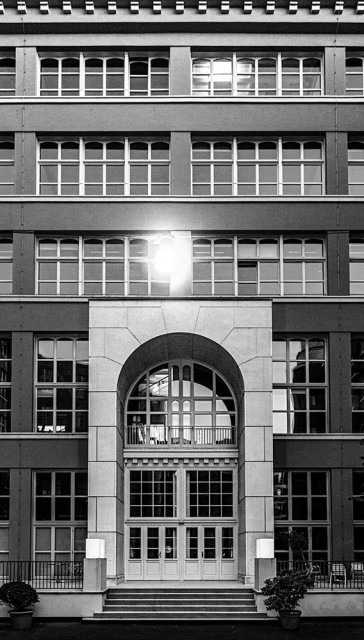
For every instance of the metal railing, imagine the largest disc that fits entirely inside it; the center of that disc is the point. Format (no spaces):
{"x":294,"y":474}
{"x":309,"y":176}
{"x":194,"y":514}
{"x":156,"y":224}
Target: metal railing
{"x":165,"y":436}
{"x":43,"y":574}
{"x":328,"y":574}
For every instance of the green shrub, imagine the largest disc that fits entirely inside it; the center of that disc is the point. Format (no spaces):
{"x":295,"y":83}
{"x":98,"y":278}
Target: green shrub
{"x":18,"y":595}
{"x":286,"y":590}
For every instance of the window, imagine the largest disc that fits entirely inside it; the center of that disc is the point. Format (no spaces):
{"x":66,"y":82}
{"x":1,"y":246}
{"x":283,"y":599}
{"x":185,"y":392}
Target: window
{"x":301,"y":506}
{"x":245,"y":75}
{"x":354,"y":76}
{"x":99,"y":266}
{"x":181,"y":403}
{"x":356,"y":167}
{"x":115,"y":75}
{"x":60,"y":515}
{"x":6,"y":265}
{"x":6,"y":166}
{"x":153,"y":494}
{"x":357,"y":383}
{"x":358,"y":514}
{"x":246,"y":167}
{"x":210,"y":494}
{"x":61,"y":384}
{"x":7,"y":75}
{"x":5,"y":384}
{"x":4,"y":514}
{"x":258,"y":266}
{"x":299,"y":385}
{"x":104,"y":168}
{"x":356,"y":255}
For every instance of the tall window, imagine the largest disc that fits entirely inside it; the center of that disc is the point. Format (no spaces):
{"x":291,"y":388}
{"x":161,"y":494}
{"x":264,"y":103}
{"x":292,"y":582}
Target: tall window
{"x":181,"y":403}
{"x":357,"y":383}
{"x":4,"y":514}
{"x":104,"y":168}
{"x":247,"y":75}
{"x":358,"y":514}
{"x":7,"y":76}
{"x":99,"y":266}
{"x":258,"y":266}
{"x":356,"y":167}
{"x":301,"y":505}
{"x":5,"y":384}
{"x":356,"y":255}
{"x":246,"y":167}
{"x":153,"y":494}
{"x":299,"y":385}
{"x":60,"y":515}
{"x":354,"y":76}
{"x":210,"y":494}
{"x":7,"y":175}
{"x":61,"y":384}
{"x":6,"y":264}
{"x":115,"y":75}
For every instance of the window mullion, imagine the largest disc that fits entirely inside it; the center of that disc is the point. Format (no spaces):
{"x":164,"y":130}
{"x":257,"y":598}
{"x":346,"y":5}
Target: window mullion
{"x":279,"y":74}
{"x":82,"y":76}
{"x":127,"y":166}
{"x":235,"y":166}
{"x":280,"y":166}
{"x":81,"y":160}
{"x":80,"y":266}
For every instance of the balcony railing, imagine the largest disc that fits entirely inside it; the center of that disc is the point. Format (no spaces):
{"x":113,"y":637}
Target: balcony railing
{"x":43,"y":574}
{"x":329,"y":574}
{"x":163,"y":436}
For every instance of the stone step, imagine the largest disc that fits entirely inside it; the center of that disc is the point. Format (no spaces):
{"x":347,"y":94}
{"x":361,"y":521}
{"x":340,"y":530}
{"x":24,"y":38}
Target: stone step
{"x":179,"y":590}
{"x":179,"y":598}
{"x":173,"y":607}
{"x":179,"y":615}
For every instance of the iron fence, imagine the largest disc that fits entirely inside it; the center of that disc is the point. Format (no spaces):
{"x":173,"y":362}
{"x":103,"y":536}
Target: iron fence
{"x":328,"y":574}
{"x":43,"y":574}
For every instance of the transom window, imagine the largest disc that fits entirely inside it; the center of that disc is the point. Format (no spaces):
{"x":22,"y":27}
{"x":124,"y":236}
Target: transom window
{"x":356,"y":167}
{"x":246,"y":75}
{"x":60,"y":505}
{"x":301,"y":503}
{"x":5,"y":384}
{"x":258,"y":266}
{"x":356,"y":255}
{"x":99,"y":266}
{"x":358,"y":514}
{"x":153,"y":494}
{"x":299,"y":385}
{"x":357,"y":383}
{"x":209,"y":494}
{"x":7,"y":75}
{"x":115,"y":75}
{"x":118,"y":167}
{"x":246,"y":167}
{"x":61,"y":384}
{"x":7,"y":175}
{"x":4,"y":514}
{"x":354,"y":76}
{"x":181,"y":404}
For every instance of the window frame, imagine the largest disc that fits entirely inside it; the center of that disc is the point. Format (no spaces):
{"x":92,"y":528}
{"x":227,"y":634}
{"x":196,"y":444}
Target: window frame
{"x":56,"y":386}
{"x":300,"y":388}
{"x":6,"y":384}
{"x":353,"y":55}
{"x":4,"y":522}
{"x":236,"y":56}
{"x":257,"y":164}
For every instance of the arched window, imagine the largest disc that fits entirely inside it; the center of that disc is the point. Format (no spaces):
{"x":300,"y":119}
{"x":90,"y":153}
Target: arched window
{"x":181,"y":403}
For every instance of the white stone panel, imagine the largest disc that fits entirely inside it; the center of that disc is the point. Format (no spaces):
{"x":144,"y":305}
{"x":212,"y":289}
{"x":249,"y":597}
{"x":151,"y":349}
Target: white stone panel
{"x":253,"y":316}
{"x":258,"y":408}
{"x":96,"y":342}
{"x":254,"y":443}
{"x":257,"y":374}
{"x":91,"y":510}
{"x":103,"y":374}
{"x":258,"y":478}
{"x":268,"y":443}
{"x":180,"y":319}
{"x":102,"y":478}
{"x":241,"y":344}
{"x":255,"y":514}
{"x":92,"y":443}
{"x":102,"y":408}
{"x":264,"y":342}
{"x":106,"y":444}
{"x":269,"y":514}
{"x":146,"y":323}
{"x":119,"y":344}
{"x":215,"y":322}
{"x":116,"y":316}
{"x":106,"y":514}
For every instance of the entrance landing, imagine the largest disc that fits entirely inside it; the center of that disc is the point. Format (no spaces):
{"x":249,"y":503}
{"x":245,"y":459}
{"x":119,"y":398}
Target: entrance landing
{"x":186,"y":585}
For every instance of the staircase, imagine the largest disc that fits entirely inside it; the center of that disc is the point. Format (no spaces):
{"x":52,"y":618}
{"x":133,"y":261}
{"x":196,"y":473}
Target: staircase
{"x":181,"y":603}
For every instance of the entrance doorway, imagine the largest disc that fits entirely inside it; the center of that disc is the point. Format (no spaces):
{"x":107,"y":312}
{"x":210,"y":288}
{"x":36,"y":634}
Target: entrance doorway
{"x":183,"y":552}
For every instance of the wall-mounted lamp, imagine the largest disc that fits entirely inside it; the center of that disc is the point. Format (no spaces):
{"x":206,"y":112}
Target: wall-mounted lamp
{"x":165,"y":260}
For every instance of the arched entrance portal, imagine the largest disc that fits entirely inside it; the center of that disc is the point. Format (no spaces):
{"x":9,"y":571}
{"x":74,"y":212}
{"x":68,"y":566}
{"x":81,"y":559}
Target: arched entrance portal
{"x":181,"y":500}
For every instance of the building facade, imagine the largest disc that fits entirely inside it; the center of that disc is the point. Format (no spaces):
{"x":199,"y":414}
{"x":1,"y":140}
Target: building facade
{"x":182,"y":282}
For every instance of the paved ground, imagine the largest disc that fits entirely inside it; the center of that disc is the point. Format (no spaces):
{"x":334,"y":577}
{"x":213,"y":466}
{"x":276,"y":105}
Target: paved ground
{"x":172,"y":631}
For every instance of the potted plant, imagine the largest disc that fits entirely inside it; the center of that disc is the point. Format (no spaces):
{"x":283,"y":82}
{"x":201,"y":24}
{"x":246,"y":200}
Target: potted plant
{"x":19,"y":596}
{"x":284,"y":593}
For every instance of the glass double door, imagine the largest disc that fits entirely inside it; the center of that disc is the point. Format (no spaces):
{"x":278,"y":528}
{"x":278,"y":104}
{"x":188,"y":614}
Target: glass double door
{"x":181,"y":552}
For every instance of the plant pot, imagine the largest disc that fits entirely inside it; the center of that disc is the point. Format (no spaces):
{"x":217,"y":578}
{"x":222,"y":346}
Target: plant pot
{"x":21,"y":619}
{"x":290,"y":619}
